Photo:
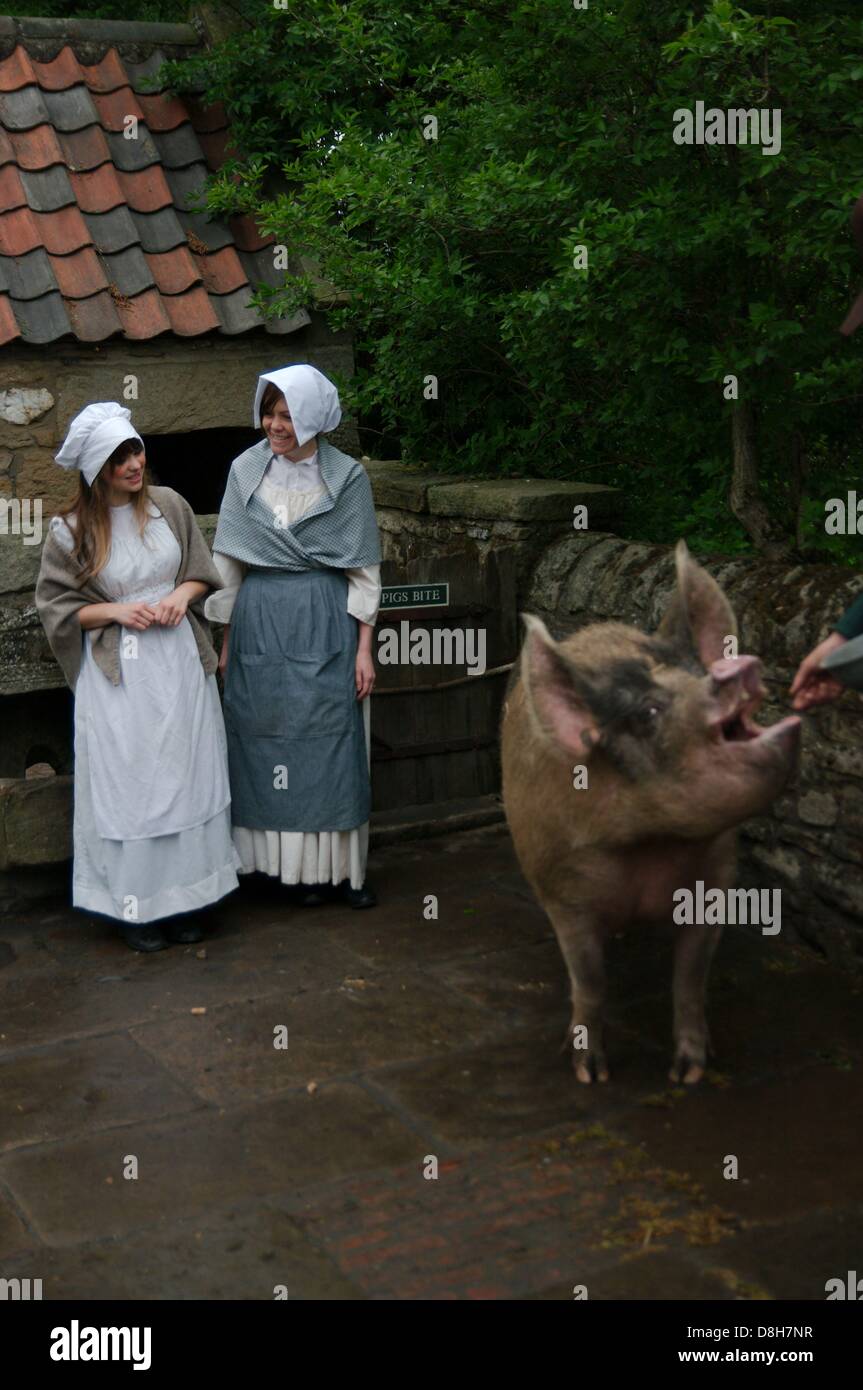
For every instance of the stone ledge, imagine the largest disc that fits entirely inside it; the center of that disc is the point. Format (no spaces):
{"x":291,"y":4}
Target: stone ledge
{"x":35,"y":821}
{"x":525,"y":500}
{"x":396,"y":485}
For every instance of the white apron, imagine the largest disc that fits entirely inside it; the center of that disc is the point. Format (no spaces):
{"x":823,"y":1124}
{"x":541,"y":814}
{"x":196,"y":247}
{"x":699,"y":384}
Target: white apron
{"x":156,"y":743}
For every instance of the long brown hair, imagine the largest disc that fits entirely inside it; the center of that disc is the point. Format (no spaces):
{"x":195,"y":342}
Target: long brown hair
{"x":91,"y":523}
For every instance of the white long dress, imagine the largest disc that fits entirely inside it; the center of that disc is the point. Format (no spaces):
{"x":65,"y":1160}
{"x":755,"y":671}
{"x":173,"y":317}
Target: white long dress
{"x":296,"y":856}
{"x":152,"y":822}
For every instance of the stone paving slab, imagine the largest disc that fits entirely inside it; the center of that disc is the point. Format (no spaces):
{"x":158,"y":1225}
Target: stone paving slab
{"x":229,"y":1053}
{"x":75,"y":1191}
{"x":14,"y":1236}
{"x":242,"y":1254}
{"x":469,"y":924}
{"x":99,"y":1083}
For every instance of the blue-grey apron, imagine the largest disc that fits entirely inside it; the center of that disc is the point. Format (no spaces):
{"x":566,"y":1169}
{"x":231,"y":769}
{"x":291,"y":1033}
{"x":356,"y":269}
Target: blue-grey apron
{"x":296,"y":745}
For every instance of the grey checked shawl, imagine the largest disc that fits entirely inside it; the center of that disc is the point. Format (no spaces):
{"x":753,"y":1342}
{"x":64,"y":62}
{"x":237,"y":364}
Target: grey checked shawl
{"x":339,"y":531}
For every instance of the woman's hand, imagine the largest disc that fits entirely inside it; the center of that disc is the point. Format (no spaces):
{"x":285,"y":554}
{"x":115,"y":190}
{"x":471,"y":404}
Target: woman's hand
{"x":223,"y":654}
{"x":135,"y":615}
{"x":365,"y":673}
{"x":812,"y":686}
{"x":171,"y":610}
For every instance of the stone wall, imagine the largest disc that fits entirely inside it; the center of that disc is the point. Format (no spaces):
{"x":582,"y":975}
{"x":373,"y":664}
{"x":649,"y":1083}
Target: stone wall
{"x":183,"y":384}
{"x":811,"y":845}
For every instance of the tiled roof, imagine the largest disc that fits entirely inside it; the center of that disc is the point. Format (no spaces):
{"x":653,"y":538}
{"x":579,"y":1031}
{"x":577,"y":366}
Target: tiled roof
{"x":97,"y":233}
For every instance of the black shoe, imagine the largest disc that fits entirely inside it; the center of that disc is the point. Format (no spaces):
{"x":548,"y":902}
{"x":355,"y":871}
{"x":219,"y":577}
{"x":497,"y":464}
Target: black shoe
{"x":357,"y":897}
{"x":309,"y":895}
{"x":184,"y":933}
{"x":144,"y":938}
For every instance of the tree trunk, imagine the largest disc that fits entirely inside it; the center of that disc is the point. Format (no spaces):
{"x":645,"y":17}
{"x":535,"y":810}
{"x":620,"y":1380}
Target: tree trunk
{"x":769,"y":538}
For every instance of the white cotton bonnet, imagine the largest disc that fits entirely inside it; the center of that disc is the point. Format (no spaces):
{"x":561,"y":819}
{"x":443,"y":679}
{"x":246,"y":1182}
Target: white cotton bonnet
{"x":311,"y":398}
{"x":93,"y":436}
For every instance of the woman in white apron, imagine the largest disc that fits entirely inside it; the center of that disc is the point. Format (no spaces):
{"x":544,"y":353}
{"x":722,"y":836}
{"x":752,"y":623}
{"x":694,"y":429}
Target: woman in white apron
{"x":298,"y":548}
{"x":122,"y":570}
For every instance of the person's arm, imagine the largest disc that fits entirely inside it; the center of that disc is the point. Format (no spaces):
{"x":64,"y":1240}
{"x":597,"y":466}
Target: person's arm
{"x":171,"y":610}
{"x":134,"y":615}
{"x":220,"y":605}
{"x":851,"y":622}
{"x":364,"y":597}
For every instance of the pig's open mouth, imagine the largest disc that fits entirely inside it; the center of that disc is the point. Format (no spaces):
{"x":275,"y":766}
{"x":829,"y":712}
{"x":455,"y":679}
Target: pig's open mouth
{"x":740,"y":728}
{"x":736,"y":683}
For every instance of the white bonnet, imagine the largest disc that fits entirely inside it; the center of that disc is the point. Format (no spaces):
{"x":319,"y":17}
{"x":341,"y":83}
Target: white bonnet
{"x":93,"y":436}
{"x":311,"y":398}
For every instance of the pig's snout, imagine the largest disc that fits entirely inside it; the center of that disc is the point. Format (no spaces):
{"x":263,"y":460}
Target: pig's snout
{"x":735,"y":685}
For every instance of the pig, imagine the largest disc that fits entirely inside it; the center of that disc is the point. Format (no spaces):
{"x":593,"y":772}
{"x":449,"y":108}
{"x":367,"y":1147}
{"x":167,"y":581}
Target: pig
{"x":663,"y":727}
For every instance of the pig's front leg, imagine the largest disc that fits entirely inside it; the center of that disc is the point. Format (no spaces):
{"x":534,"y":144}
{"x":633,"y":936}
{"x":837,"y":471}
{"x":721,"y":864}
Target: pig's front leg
{"x":693,"y":952}
{"x":581,"y":942}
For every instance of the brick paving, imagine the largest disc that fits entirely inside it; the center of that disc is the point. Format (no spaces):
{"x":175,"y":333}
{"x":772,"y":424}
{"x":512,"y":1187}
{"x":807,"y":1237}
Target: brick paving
{"x":416,"y":1047}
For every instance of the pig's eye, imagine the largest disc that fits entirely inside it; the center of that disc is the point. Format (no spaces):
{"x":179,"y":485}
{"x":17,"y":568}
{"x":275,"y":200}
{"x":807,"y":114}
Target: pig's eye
{"x":653,"y":711}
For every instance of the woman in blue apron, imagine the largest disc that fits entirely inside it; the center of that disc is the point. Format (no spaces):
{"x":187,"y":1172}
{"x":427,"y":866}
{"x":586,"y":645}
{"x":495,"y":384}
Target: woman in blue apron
{"x":298,"y":548}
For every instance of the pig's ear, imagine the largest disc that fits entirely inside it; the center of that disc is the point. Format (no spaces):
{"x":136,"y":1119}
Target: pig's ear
{"x":699,"y":617}
{"x":557,"y":708}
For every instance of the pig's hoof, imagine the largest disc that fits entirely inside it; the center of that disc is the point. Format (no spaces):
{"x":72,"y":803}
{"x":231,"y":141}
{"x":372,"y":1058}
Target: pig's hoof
{"x":687,"y":1069}
{"x":590,"y":1067}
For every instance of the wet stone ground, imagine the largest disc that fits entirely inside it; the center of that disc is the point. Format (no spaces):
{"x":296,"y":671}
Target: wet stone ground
{"x":413,"y":1040}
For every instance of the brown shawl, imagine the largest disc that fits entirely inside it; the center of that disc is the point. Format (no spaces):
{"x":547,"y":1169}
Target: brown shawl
{"x":59,"y":595}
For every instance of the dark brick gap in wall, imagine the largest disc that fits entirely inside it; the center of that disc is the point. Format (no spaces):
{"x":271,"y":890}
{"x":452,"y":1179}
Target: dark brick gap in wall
{"x":196,"y":464}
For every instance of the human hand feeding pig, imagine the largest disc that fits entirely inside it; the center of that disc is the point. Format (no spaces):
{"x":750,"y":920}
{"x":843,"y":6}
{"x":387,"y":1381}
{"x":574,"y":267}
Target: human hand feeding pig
{"x":663,"y":726}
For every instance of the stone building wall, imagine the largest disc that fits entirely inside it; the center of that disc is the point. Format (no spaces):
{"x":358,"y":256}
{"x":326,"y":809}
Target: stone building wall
{"x":183,"y":384}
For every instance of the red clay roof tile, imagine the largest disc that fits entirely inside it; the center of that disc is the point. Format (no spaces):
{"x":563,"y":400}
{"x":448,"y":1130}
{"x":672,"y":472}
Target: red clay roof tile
{"x":12,"y":193}
{"x":246,"y":234}
{"x":217,"y":146}
{"x":18,"y":232}
{"x":80,"y":274}
{"x":7,"y":153}
{"x":191,"y":313}
{"x":38,"y":148}
{"x":146,"y":190}
{"x":62,"y":72}
{"x":221,"y":271}
{"x":162,"y":111}
{"x":16,"y":71}
{"x":106,"y":75}
{"x":97,"y":190}
{"x":144,"y":316}
{"x":206,"y":118}
{"x":84,"y":149}
{"x":174,"y":271}
{"x":116,"y":107}
{"x":9,"y":329}
{"x":61,"y":232}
